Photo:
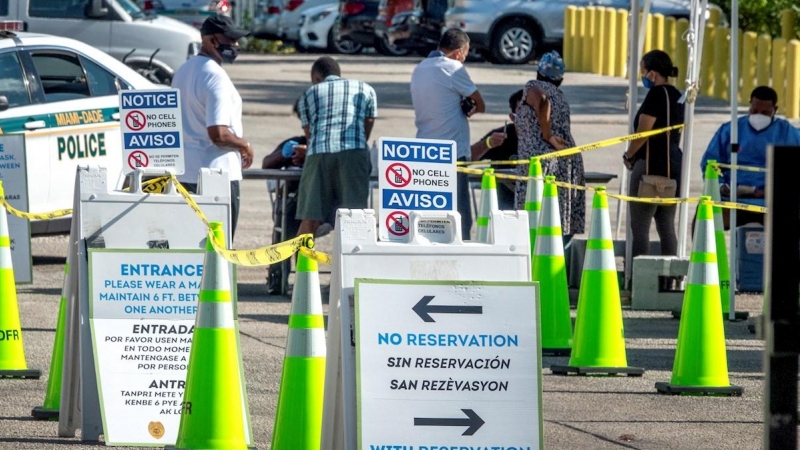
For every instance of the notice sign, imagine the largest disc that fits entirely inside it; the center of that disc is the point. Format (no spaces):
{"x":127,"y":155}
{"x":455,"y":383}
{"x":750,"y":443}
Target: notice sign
{"x":151,"y":130}
{"x":142,"y":309}
{"x":14,"y":176}
{"x":457,"y":363}
{"x":414,"y":175}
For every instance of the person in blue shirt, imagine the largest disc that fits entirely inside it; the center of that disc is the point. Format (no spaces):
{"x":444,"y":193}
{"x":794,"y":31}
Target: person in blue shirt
{"x":757,"y":130}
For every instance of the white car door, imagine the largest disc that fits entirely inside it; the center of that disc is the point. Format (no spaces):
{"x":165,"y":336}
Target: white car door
{"x":69,"y":18}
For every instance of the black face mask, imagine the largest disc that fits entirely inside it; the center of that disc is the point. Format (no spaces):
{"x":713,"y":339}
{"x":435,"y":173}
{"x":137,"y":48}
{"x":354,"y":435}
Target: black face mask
{"x":227,"y":52}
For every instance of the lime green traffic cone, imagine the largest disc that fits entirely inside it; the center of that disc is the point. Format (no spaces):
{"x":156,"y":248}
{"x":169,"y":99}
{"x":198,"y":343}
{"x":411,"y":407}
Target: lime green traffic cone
{"x":488,"y":204}
{"x":711,"y":188}
{"x":701,"y":364}
{"x":298,"y":421}
{"x":12,"y":351}
{"x":550,"y":270}
{"x":52,"y":398}
{"x":212,"y":415}
{"x":533,"y":200}
{"x":599,"y":342}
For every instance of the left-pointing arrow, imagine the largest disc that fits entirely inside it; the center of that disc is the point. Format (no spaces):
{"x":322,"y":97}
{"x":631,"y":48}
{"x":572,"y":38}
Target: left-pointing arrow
{"x":473,"y":422}
{"x":424,"y":309}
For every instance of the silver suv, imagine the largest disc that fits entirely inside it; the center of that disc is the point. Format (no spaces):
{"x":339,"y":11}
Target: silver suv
{"x":513,"y":31}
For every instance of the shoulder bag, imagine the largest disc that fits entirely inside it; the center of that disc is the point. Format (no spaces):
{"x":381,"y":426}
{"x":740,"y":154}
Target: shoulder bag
{"x":652,"y":186}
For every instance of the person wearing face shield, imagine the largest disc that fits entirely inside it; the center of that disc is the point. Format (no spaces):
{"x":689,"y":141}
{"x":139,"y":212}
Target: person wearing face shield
{"x":758,"y":129}
{"x":212,"y":110}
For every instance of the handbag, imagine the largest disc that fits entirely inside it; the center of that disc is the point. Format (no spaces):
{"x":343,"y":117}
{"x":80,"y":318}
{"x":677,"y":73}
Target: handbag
{"x":657,"y":186}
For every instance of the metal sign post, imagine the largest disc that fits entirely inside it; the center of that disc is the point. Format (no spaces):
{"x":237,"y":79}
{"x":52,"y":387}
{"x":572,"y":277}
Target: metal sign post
{"x":781,"y":294}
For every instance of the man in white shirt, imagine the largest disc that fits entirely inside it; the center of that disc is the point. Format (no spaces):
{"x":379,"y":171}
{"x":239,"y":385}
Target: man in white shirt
{"x":212,"y":110}
{"x":438,"y":85}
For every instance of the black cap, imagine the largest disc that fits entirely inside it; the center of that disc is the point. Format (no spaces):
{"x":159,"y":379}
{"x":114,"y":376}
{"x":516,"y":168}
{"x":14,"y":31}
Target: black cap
{"x":222,"y":25}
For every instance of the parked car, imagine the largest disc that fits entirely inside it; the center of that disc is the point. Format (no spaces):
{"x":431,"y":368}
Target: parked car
{"x":387,"y":9}
{"x":289,"y":22}
{"x":319,"y":31}
{"x":191,"y":12}
{"x":514,"y":31}
{"x":152,"y":45}
{"x":63,"y":97}
{"x":266,"y":20}
{"x":357,"y":22}
{"x":419,"y":29}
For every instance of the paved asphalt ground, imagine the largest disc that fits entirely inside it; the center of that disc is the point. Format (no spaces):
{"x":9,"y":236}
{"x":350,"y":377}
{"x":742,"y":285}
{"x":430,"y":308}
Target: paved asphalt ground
{"x":579,"y":413}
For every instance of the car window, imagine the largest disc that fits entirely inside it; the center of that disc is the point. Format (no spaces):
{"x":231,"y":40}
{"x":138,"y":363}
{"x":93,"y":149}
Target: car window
{"x":3,"y":7}
{"x":12,"y":80}
{"x":131,"y":8}
{"x":101,"y":81}
{"x":62,"y":9}
{"x":61,"y":75}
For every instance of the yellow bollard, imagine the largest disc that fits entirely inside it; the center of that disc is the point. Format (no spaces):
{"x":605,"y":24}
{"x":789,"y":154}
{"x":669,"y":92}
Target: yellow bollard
{"x":648,"y":36}
{"x":706,"y":73}
{"x":670,"y":36}
{"x":747,"y":67}
{"x":778,"y":69}
{"x":721,"y":63}
{"x":681,"y":57}
{"x":621,"y":63}
{"x":569,"y":37}
{"x":580,"y":40}
{"x":599,"y":40}
{"x":713,"y":17}
{"x":792,"y":102}
{"x":657,"y":32}
{"x":588,"y":40}
{"x":763,"y":57}
{"x":609,"y":39}
{"x":788,"y":23}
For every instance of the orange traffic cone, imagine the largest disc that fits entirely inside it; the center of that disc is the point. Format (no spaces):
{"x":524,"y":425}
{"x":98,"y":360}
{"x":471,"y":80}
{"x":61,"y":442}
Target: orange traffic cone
{"x":12,"y":352}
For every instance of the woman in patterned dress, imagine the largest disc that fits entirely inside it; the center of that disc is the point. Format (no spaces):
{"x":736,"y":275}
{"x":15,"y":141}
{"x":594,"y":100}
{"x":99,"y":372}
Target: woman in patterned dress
{"x":543,"y":126}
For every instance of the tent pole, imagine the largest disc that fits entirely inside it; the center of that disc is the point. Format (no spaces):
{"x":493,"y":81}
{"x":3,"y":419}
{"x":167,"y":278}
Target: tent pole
{"x":734,"y":85}
{"x":634,"y":51}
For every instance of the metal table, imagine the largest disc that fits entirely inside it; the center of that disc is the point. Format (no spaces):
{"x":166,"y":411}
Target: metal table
{"x":282,"y":177}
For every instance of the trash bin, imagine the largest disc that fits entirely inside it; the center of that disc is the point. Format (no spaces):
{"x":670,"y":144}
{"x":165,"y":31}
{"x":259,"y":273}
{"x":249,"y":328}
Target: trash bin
{"x":750,"y":258}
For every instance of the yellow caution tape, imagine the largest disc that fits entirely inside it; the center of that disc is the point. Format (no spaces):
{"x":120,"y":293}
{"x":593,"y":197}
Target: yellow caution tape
{"x":738,"y":167}
{"x":263,"y":256}
{"x":27,"y":215}
{"x":578,"y":149}
{"x":628,"y":198}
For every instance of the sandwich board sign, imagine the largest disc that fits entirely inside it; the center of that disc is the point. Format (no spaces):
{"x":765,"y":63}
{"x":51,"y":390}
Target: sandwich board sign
{"x":136,"y":261}
{"x":142,"y":311}
{"x":13,"y":174}
{"x":415,"y":175}
{"x":358,"y":254}
{"x":151,"y":128}
{"x":456,"y":362}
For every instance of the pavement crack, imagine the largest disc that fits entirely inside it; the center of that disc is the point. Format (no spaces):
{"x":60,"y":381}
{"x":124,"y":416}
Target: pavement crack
{"x":261,"y":340}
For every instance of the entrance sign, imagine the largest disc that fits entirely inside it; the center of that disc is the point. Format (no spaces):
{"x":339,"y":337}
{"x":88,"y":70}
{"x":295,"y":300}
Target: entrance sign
{"x":13,"y":173}
{"x":457,"y":364}
{"x":142,"y":312}
{"x":358,"y":254}
{"x":151,"y":130}
{"x":129,"y":254}
{"x":414,"y":175}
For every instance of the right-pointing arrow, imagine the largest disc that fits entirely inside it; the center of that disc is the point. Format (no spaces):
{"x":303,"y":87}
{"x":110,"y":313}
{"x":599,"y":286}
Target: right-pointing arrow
{"x":473,"y":421}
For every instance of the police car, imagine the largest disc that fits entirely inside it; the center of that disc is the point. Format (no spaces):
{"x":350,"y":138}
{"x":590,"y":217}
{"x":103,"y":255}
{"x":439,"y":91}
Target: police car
{"x":62,"y":95}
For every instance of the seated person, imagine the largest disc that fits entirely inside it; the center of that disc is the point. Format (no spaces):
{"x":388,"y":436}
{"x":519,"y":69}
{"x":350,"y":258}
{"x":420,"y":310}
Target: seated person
{"x":500,"y":144}
{"x":757,"y":130}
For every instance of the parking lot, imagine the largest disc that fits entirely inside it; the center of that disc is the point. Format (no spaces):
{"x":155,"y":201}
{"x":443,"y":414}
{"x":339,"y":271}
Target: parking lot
{"x":579,"y":413}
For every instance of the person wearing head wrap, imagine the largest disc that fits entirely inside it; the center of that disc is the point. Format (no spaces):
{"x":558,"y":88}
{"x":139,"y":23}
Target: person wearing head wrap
{"x":543,"y":126}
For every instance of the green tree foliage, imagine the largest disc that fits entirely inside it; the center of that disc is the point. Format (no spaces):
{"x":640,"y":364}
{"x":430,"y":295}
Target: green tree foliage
{"x":762,"y":16}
